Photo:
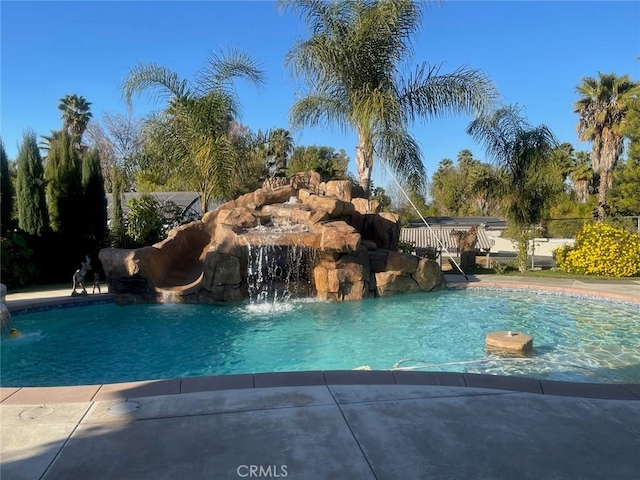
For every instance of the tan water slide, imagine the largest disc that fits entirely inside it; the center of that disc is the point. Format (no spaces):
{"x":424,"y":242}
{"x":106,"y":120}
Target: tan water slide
{"x":174,"y":265}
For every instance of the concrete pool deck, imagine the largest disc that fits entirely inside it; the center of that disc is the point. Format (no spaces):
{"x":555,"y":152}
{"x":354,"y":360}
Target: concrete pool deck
{"x":333,"y":425}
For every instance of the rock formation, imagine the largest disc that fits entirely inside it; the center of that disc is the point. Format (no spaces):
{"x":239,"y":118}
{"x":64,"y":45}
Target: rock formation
{"x":341,"y":248}
{"x":5,"y":316}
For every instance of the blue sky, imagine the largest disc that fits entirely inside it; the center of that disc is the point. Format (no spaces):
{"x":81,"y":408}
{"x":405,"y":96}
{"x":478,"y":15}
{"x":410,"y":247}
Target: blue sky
{"x":535,"y":52}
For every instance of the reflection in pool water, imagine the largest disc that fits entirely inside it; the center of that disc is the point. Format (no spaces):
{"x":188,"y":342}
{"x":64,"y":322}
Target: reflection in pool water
{"x":574,"y":338}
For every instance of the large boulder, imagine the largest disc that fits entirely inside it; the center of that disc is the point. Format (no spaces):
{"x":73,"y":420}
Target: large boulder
{"x":118,"y":262}
{"x":340,"y":189}
{"x":289,"y":213}
{"x":401,"y":262}
{"x":342,"y":280}
{"x":392,"y":283}
{"x":226,"y":240}
{"x":365,"y":206}
{"x":309,"y":181}
{"x":221,"y":269}
{"x":264,"y":196}
{"x":429,"y":276}
{"x":386,"y":230}
{"x":378,"y":260}
{"x":333,"y":206}
{"x":339,"y":236}
{"x":241,"y":217}
{"x":249,"y":199}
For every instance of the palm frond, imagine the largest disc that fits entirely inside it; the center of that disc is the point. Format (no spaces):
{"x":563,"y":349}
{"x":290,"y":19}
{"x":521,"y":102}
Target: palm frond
{"x":401,"y":152}
{"x":313,"y":110}
{"x":150,"y":76}
{"x":427,"y":93}
{"x":320,"y":15}
{"x":221,"y":69}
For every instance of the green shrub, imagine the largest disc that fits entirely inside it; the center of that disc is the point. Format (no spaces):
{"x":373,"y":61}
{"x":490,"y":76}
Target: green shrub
{"x":406,"y":247}
{"x":500,"y":268}
{"x":144,"y":224}
{"x":149,"y":220}
{"x":17,"y":267}
{"x":601,"y":249}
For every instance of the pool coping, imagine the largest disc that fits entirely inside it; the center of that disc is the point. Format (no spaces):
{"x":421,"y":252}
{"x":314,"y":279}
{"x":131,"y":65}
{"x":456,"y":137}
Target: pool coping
{"x":41,"y":300}
{"x":178,"y":386}
{"x":587,"y":292}
{"x":100,"y":392}
{"x":567,"y":286}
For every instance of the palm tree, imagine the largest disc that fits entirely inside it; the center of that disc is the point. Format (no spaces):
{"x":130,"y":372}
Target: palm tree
{"x":581,"y":176}
{"x":75,"y":114}
{"x":193,"y":132}
{"x":524,"y":156}
{"x":353,"y":66}
{"x":602,"y":109}
{"x":565,"y":159}
{"x":280,"y":146}
{"x":48,"y":141}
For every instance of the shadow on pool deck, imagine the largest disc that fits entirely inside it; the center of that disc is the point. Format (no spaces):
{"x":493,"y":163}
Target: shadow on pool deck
{"x":333,"y":425}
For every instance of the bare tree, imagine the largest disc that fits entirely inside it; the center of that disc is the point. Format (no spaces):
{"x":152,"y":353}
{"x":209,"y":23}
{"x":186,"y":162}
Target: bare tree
{"x":120,"y":140}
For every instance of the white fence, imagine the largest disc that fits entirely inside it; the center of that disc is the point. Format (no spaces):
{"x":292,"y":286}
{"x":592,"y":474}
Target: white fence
{"x":540,"y":250}
{"x":496,"y":248}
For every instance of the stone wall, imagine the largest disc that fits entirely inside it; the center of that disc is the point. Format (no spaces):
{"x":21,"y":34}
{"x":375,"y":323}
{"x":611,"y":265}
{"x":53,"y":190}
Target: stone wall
{"x":206,"y":260}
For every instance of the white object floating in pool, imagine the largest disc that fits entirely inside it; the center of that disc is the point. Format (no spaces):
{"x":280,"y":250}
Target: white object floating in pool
{"x":509,"y":341}
{"x":363,"y":367}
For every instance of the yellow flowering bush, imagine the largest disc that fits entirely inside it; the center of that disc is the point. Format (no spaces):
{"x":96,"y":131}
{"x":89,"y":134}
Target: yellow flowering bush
{"x":601,"y":249}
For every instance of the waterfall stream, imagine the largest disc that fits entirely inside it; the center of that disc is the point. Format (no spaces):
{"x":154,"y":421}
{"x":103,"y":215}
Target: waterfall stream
{"x":275,"y":273}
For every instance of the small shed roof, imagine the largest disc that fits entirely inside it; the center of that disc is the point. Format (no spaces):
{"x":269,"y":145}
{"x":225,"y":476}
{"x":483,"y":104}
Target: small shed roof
{"x":488,"y":223}
{"x":424,"y":237}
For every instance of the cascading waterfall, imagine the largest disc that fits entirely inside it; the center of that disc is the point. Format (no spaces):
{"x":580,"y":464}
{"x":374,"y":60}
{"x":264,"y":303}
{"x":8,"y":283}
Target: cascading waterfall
{"x":275,"y":273}
{"x":5,"y":319}
{"x":5,"y":316}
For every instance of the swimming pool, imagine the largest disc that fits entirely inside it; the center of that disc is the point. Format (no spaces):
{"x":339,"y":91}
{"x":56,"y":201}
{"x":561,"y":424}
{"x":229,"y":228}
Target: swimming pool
{"x":576,"y":339}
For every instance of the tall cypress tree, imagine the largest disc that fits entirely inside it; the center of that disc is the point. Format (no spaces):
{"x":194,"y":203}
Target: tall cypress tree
{"x":6,"y":192}
{"x":95,"y":200}
{"x":30,"y":186}
{"x":64,"y":185}
{"x":117,"y":216}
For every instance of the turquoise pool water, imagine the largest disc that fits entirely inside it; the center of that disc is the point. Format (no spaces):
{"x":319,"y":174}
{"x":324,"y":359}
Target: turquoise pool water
{"x":574,"y":339}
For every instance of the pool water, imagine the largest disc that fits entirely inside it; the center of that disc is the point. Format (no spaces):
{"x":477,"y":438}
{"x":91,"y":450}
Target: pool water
{"x":575,"y":339}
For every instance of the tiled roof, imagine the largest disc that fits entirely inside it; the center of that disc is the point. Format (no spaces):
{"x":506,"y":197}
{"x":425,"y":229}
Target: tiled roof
{"x":423,"y":237}
{"x":488,"y":223}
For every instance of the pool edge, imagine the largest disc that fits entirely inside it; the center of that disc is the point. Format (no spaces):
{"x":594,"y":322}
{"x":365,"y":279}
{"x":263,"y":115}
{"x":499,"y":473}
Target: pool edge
{"x":179,"y":386}
{"x":537,"y":287}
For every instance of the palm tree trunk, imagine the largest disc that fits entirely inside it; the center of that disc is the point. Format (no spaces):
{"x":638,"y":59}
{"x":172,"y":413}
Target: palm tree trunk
{"x":364,"y":163}
{"x":605,"y":183}
{"x":523,"y":249}
{"x":204,"y":197}
{"x":582,"y":190}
